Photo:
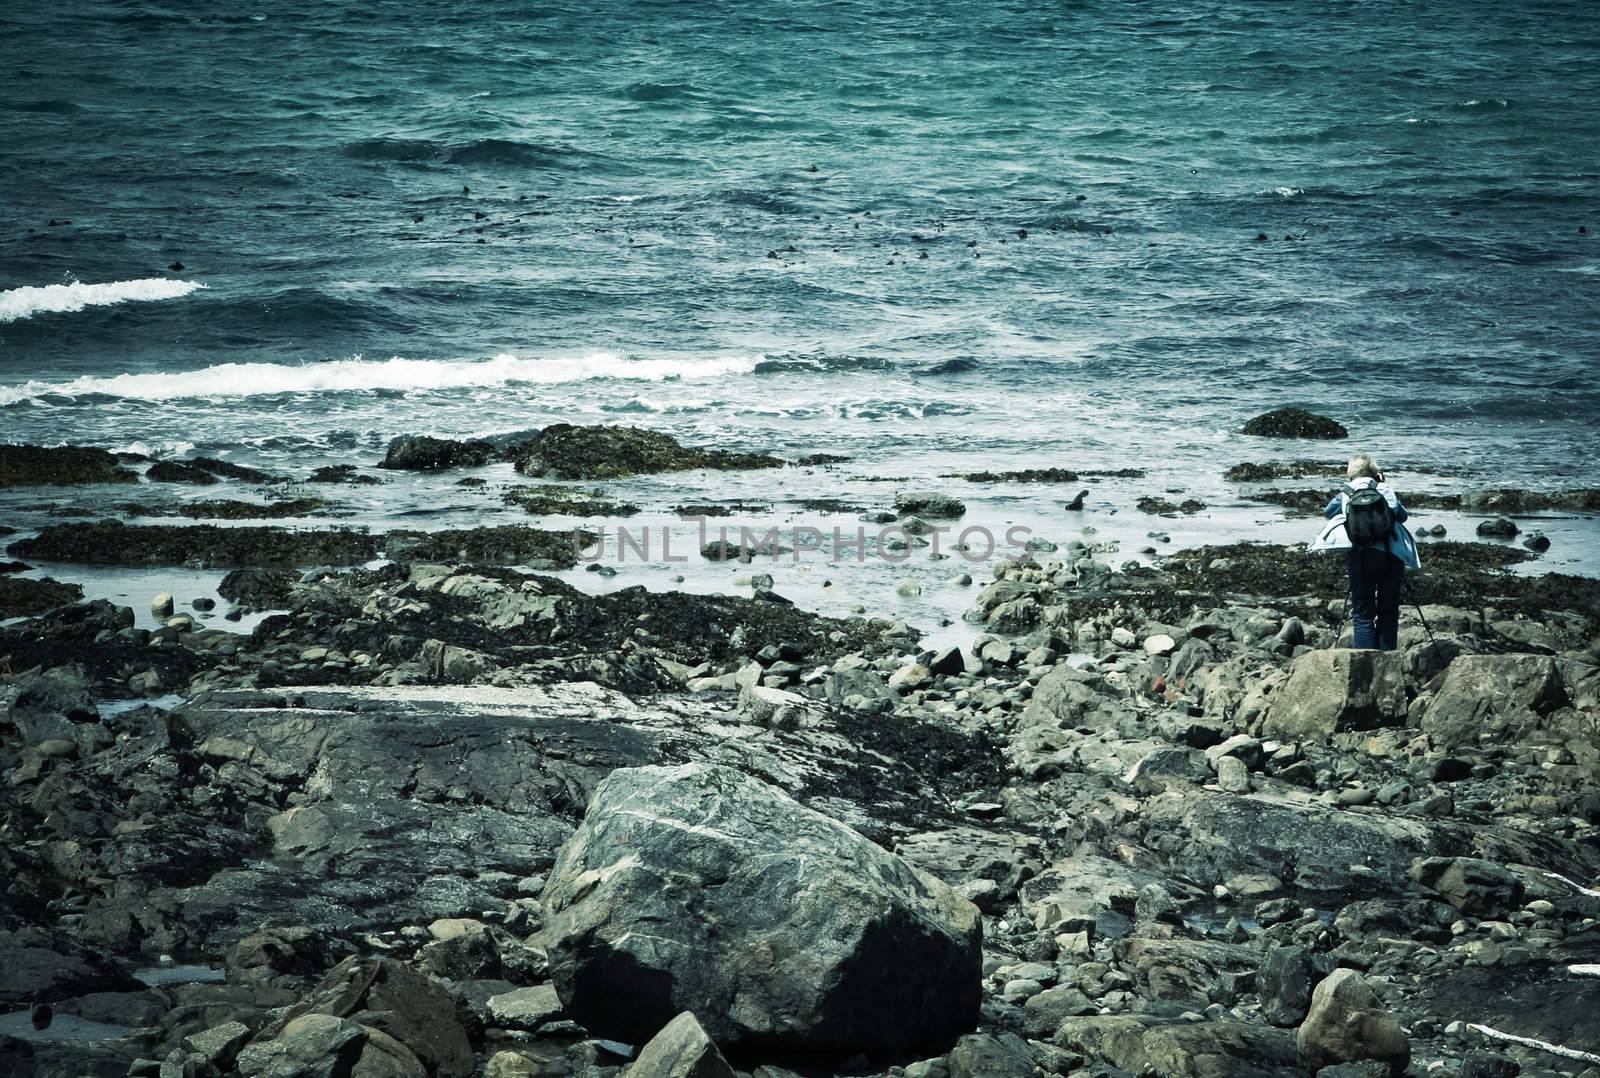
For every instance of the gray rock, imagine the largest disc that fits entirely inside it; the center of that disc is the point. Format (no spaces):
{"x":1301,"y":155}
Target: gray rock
{"x":1347,"y":1024}
{"x":984,"y":1055}
{"x":1472,"y":885}
{"x":389,"y":998}
{"x":309,"y":1046}
{"x":1232,"y":775}
{"x":1339,"y":689}
{"x":1483,"y":1064}
{"x":525,"y":1008}
{"x":219,"y":1045}
{"x":1284,"y":982}
{"x":468,"y":955}
{"x":1147,"y":1045}
{"x":681,"y":1050}
{"x":822,"y":940}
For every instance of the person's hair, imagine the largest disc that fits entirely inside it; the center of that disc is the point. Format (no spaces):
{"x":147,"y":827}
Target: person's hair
{"x":1363,"y":466}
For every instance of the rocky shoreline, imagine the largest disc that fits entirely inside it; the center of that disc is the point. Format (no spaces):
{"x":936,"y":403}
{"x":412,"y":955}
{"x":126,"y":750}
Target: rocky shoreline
{"x":448,"y":815}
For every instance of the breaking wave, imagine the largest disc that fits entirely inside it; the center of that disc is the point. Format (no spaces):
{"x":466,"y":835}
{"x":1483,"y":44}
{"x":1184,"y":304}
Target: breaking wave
{"x":393,"y":375}
{"x":20,"y":303}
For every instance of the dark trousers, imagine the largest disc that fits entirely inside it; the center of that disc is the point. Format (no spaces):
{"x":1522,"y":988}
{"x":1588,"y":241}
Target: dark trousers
{"x":1375,"y":577}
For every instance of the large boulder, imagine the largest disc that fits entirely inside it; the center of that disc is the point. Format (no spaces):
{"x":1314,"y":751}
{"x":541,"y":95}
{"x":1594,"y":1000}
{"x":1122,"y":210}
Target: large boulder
{"x":1488,"y":696}
{"x":699,"y":888}
{"x":1347,"y":1024}
{"x":1340,"y":689}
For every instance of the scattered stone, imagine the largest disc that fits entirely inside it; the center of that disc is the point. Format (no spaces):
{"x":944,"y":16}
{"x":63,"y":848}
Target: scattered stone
{"x":1498,"y":528}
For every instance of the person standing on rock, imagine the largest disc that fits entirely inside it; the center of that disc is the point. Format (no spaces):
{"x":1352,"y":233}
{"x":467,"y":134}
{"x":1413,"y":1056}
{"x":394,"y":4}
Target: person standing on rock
{"x":1365,"y":520}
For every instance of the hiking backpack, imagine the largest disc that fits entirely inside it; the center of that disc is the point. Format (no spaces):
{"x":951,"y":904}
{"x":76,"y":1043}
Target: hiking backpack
{"x":1368,"y":520}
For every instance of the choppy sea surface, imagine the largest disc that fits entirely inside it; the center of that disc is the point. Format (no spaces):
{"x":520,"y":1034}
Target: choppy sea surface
{"x":933,"y":238}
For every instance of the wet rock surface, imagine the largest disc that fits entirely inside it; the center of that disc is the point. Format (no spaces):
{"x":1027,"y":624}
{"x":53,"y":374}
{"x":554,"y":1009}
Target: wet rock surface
{"x":565,"y":451}
{"x":418,"y":805}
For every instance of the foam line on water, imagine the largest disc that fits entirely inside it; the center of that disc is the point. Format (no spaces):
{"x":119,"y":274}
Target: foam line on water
{"x":347,"y":375}
{"x":19,"y":303}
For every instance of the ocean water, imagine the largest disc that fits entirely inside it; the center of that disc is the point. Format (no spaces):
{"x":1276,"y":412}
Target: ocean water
{"x":934,"y":238}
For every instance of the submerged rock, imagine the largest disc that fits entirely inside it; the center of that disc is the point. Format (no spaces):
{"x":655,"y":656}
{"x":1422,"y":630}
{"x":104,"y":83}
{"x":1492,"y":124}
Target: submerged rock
{"x":700,"y":888}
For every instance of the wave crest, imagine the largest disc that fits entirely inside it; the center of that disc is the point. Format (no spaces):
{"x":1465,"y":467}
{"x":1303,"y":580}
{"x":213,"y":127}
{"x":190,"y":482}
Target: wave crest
{"x":19,"y":303}
{"x":389,"y":375}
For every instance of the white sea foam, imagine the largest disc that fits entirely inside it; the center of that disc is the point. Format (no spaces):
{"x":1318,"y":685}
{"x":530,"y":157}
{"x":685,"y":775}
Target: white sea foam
{"x":258,"y":379}
{"x":19,"y":303}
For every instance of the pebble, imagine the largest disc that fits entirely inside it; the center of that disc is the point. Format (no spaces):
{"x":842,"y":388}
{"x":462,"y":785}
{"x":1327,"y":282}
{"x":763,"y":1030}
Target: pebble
{"x":161,"y":605}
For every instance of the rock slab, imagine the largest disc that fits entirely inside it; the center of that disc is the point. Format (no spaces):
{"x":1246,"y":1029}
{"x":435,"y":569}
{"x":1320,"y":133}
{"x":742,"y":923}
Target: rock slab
{"x":698,"y":888}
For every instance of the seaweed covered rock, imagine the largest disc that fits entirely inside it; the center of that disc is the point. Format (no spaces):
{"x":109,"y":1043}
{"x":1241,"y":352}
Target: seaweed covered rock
{"x":699,"y":888}
{"x":22,"y":596}
{"x":565,"y":451}
{"x":1294,"y":423}
{"x":110,"y":542}
{"x":420,"y":453}
{"x":179,"y":471}
{"x":68,"y":465}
